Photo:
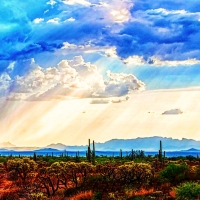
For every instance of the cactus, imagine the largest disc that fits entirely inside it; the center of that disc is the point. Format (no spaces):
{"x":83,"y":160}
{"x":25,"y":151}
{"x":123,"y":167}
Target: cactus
{"x":34,"y":157}
{"x":89,"y":153}
{"x":93,"y":154}
{"x":160,"y":152}
{"x":52,"y":154}
{"x":164,"y":158}
{"x":132,"y":154}
{"x":77,"y":156}
{"x":120,"y":154}
{"x":65,"y":153}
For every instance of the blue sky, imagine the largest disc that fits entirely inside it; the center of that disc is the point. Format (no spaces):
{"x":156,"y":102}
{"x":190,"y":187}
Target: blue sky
{"x":110,"y":47}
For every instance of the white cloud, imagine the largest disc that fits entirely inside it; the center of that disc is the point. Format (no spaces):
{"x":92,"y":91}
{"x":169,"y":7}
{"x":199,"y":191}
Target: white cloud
{"x":71,"y":19}
{"x":54,"y":20}
{"x":11,"y":66}
{"x":111,"y":52}
{"x":67,"y":45}
{"x":72,"y":2}
{"x":38,"y":20}
{"x":134,"y":60}
{"x":120,"y":16}
{"x":5,"y":82}
{"x":172,"y":63}
{"x":128,"y":80}
{"x":71,"y":78}
{"x":51,"y":2}
{"x":139,"y":60}
{"x":166,"y":12}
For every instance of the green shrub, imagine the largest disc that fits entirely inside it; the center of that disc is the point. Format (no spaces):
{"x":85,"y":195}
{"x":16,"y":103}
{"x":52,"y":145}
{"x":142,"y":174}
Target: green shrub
{"x":174,"y":173}
{"x":3,"y":160}
{"x":97,"y":196}
{"x":188,"y":191}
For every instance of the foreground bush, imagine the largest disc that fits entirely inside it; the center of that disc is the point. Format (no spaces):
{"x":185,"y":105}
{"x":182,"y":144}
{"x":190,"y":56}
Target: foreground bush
{"x":174,"y":173}
{"x":188,"y":191}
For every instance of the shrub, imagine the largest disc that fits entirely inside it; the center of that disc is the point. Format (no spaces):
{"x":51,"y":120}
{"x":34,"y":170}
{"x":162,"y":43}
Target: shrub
{"x":174,"y":173}
{"x":97,"y":196}
{"x":38,"y":196}
{"x":188,"y":191}
{"x":3,"y":160}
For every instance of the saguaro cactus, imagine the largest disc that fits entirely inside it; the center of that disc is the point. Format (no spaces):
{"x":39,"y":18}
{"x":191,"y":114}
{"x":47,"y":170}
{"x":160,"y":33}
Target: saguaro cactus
{"x":132,"y":154}
{"x":93,"y":154}
{"x":160,"y":152}
{"x":34,"y":156}
{"x":120,"y":154}
{"x":89,"y":152}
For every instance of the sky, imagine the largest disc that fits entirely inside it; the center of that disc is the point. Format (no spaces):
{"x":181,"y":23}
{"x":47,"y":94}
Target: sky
{"x":96,"y":51}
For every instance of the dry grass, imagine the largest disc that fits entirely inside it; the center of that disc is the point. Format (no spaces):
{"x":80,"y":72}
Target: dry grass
{"x":83,"y":196}
{"x":130,"y":193}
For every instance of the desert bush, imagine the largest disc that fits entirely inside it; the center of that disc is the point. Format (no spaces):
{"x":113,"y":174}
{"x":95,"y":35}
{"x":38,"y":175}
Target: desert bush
{"x":97,"y":196}
{"x":3,"y":160}
{"x":188,"y":191}
{"x":21,"y":169}
{"x":87,"y":195}
{"x":38,"y":196}
{"x":130,"y":172}
{"x":174,"y":173}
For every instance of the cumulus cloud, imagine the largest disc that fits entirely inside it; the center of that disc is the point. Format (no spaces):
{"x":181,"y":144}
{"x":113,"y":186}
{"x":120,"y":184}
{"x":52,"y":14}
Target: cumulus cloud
{"x":69,"y":79}
{"x":139,"y":33}
{"x":5,"y":82}
{"x":38,"y":20}
{"x":121,"y":84}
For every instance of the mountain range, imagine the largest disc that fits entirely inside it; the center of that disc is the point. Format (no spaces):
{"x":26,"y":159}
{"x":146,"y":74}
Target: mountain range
{"x":146,"y":144}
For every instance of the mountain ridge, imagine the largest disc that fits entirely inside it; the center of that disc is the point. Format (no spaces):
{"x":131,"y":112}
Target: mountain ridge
{"x":139,"y":143}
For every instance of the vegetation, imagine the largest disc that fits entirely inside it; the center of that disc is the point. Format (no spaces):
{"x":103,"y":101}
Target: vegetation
{"x":134,"y":176}
{"x":188,"y":191}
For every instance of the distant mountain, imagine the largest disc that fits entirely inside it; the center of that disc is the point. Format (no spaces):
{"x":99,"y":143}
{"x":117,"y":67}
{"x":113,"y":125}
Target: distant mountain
{"x":62,"y":147}
{"x":6,"y":144}
{"x":146,"y":144}
{"x":47,"y":150}
{"x":192,"y":149}
{"x":2,"y":149}
{"x":58,"y":146}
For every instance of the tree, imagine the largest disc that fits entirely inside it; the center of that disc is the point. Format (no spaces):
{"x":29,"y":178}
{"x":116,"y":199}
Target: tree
{"x":130,"y":172}
{"x":21,"y":169}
